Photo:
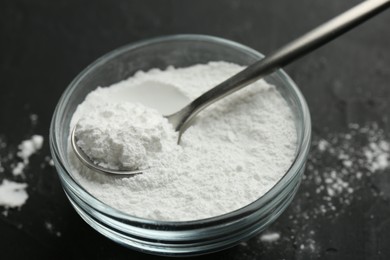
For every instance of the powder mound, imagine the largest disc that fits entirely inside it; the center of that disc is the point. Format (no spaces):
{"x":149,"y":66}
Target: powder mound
{"x":123,"y":135}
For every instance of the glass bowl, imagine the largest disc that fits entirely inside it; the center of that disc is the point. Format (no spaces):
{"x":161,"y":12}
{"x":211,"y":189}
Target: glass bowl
{"x":181,"y":238}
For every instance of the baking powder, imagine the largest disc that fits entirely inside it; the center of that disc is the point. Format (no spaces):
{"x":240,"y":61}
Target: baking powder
{"x":234,"y":152}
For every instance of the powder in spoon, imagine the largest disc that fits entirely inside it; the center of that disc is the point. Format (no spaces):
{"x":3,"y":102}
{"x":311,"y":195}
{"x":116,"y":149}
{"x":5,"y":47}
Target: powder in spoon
{"x":124,"y":135}
{"x":234,"y":152}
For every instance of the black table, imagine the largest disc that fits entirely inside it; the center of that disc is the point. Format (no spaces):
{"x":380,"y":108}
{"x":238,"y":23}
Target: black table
{"x":45,"y":44}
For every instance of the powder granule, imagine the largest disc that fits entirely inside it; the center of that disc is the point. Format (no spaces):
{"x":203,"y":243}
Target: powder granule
{"x":29,"y":147}
{"x":270,"y":237}
{"x":12,"y":194}
{"x":234,"y":152}
{"x":26,"y":149}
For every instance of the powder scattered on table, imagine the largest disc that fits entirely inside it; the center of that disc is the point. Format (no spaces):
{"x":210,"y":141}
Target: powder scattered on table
{"x":351,"y":163}
{"x":351,"y":156}
{"x":13,"y":193}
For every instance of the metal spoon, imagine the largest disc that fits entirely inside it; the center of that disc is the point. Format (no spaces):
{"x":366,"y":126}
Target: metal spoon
{"x":281,"y":57}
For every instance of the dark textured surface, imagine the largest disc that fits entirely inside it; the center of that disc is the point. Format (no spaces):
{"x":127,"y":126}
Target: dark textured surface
{"x":44,"y":44}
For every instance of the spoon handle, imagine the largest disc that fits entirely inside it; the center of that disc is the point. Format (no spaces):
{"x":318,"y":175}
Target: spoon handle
{"x":281,"y":57}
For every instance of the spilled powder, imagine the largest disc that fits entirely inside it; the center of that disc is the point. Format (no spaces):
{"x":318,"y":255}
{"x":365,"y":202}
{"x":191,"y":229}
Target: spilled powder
{"x":270,"y":237}
{"x":13,"y":193}
{"x":51,"y":229}
{"x":340,"y":170}
{"x":348,"y":159}
{"x":16,"y":176}
{"x":26,"y":149}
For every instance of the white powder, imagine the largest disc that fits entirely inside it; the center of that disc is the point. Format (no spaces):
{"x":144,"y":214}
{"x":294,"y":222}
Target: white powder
{"x":33,"y":119}
{"x":125,"y":136}
{"x":339,"y":187}
{"x":26,"y":149}
{"x":270,"y":237}
{"x":346,"y":161}
{"x":234,"y":152}
{"x":18,"y":169}
{"x":12,"y":194}
{"x":378,"y":155}
{"x":30,"y":146}
{"x":51,"y":229}
{"x":322,"y":145}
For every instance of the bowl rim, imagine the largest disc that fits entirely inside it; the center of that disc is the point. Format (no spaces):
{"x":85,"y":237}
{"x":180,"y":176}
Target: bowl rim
{"x":296,"y":165}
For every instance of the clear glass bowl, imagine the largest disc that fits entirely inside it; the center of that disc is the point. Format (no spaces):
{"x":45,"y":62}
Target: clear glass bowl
{"x":186,"y":237}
